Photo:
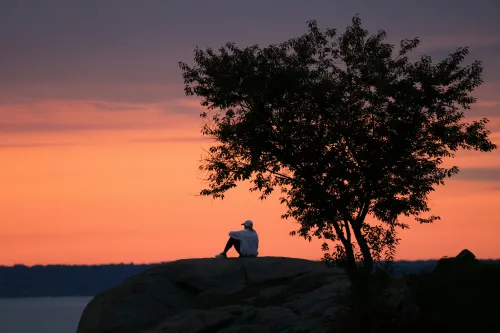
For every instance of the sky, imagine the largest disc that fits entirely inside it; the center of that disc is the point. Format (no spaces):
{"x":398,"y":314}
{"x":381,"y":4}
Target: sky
{"x":99,"y":147}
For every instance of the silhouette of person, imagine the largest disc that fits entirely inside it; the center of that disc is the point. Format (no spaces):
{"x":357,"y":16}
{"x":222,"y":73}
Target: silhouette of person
{"x":245,"y":242}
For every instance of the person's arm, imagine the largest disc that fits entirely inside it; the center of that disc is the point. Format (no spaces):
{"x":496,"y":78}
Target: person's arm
{"x":236,"y":234}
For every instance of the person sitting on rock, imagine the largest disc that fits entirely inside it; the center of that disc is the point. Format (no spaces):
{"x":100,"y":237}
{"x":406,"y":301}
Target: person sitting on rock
{"x":245,"y":242}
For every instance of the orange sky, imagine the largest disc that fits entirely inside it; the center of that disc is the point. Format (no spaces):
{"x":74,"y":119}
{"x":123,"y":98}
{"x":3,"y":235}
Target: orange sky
{"x":127,"y":192}
{"x":99,"y":147}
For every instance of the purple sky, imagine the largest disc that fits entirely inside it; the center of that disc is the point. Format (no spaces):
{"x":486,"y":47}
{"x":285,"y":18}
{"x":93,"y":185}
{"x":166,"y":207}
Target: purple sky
{"x":65,"y":45}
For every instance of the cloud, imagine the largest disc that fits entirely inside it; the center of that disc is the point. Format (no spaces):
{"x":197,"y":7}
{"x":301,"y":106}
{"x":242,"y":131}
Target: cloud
{"x":188,"y":106}
{"x":110,"y":107}
{"x":487,"y":104}
{"x":61,"y":127}
{"x":35,"y":145}
{"x":78,"y":116}
{"x":451,"y":41}
{"x":166,"y":99}
{"x":484,"y":108}
{"x":491,"y":174}
{"x":172,"y":139}
{"x":104,"y":95}
{"x":487,"y":92}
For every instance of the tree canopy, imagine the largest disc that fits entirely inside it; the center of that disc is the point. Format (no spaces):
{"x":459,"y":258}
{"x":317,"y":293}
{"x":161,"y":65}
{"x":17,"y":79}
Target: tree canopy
{"x":345,"y":126}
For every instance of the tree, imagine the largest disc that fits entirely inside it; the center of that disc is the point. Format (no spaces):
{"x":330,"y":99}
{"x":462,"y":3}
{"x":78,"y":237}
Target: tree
{"x":345,"y":126}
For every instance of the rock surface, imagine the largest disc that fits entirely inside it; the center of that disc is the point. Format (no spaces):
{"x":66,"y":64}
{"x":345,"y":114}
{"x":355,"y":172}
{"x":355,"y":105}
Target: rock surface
{"x":267,"y":294}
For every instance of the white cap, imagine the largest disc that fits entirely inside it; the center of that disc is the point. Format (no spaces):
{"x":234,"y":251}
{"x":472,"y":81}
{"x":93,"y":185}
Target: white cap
{"x":248,"y":223}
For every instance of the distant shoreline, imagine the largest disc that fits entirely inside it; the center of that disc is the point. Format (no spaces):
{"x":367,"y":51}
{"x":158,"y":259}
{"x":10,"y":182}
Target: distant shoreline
{"x":164,"y":262}
{"x":20,"y":281}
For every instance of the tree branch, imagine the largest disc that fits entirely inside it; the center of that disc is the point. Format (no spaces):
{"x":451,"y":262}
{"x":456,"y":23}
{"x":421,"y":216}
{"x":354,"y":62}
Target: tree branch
{"x":348,"y":231}
{"x":362,"y":214}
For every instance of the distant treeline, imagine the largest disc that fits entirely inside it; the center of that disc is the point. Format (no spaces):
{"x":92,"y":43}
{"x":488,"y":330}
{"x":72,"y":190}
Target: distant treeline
{"x":69,"y":280}
{"x":63,"y":280}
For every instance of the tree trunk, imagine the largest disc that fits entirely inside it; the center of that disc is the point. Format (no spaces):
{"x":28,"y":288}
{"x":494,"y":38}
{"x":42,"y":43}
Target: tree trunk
{"x":365,"y":250}
{"x":351,"y":267}
{"x":363,"y":284}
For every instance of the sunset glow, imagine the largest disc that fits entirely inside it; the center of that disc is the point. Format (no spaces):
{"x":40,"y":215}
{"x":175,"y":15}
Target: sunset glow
{"x":103,"y":168}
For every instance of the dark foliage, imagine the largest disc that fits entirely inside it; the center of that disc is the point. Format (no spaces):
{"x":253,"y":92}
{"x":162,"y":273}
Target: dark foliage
{"x":344,"y":125}
{"x":466,"y":296}
{"x":457,"y":297}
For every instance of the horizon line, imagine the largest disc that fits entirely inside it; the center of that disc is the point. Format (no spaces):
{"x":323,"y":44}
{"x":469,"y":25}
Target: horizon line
{"x":165,"y":262}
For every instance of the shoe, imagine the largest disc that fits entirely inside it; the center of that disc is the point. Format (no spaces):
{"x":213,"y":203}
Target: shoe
{"x":221,"y":255}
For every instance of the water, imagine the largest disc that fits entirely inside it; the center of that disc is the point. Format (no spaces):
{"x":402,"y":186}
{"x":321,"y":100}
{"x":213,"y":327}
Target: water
{"x":41,"y":315}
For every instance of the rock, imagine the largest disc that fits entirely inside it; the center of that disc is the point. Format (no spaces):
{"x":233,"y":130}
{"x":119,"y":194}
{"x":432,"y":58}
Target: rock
{"x":267,"y":294}
{"x":464,"y":259}
{"x":232,"y":319}
{"x":271,"y":292}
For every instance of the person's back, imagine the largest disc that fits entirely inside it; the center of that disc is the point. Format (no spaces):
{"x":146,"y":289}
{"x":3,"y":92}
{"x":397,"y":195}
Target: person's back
{"x":249,"y":241}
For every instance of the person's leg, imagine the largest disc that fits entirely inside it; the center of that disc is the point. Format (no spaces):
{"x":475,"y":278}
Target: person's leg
{"x":230,"y":243}
{"x":237,"y":244}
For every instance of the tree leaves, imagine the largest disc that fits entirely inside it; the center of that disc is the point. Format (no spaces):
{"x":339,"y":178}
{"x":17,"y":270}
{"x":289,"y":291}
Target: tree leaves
{"x":343,"y":125}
